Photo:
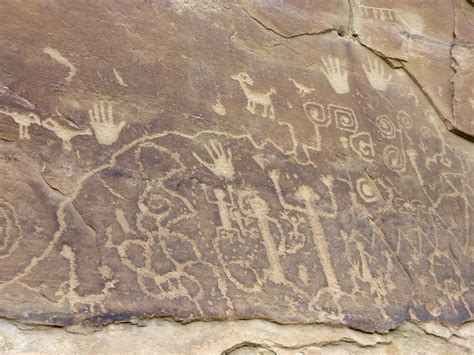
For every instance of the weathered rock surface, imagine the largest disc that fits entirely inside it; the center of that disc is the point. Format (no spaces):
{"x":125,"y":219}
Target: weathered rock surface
{"x":284,"y":160}
{"x":251,"y":337}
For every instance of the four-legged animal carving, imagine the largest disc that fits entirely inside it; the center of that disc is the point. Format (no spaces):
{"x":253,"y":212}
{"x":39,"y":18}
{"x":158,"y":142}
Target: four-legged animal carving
{"x":65,"y":134}
{"x":24,"y":120}
{"x":255,"y":98}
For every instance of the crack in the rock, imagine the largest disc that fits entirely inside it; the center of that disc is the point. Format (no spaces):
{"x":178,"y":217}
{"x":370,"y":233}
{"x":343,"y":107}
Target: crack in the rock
{"x":19,"y":100}
{"x":55,"y":188}
{"x":387,"y":59}
{"x":274,"y":31}
{"x":93,"y":230}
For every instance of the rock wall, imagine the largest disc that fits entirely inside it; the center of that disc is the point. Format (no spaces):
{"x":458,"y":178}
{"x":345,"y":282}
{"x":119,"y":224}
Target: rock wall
{"x":244,"y":337}
{"x":299,"y":162}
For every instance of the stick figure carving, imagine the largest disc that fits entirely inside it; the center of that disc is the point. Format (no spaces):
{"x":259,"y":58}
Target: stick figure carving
{"x":309,"y":199}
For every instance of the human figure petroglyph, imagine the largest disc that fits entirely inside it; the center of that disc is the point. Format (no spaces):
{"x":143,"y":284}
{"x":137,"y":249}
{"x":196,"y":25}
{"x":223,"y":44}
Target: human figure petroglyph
{"x":302,"y":89}
{"x":261,"y":212}
{"x":310,"y":199}
{"x":221,"y":165}
{"x":231,"y":240}
{"x":336,"y":74}
{"x":55,"y":55}
{"x":374,"y":70}
{"x":173,"y":285}
{"x":24,"y":120}
{"x":64,"y":133}
{"x":102,"y":121}
{"x":365,"y":270}
{"x":254,"y":98}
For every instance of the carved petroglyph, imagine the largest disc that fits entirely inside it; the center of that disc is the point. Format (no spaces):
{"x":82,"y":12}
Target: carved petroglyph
{"x":102,"y":121}
{"x":219,"y":108}
{"x":24,"y":120}
{"x":310,"y":199}
{"x":221,"y":165}
{"x":254,"y":98}
{"x":386,"y":127}
{"x":302,"y":89}
{"x":77,"y":302}
{"x":394,"y":159}
{"x":336,"y":74}
{"x":411,"y":93}
{"x":362,"y":144}
{"x":378,"y":13}
{"x":64,"y":133}
{"x":10,"y":229}
{"x":55,"y":55}
{"x":119,"y":78}
{"x":315,"y":112}
{"x":374,"y":70}
{"x":410,"y":21}
{"x":233,"y":224}
{"x":344,"y":117}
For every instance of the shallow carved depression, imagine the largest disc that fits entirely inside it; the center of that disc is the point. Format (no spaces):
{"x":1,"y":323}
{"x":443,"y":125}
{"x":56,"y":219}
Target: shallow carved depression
{"x":226,"y":160}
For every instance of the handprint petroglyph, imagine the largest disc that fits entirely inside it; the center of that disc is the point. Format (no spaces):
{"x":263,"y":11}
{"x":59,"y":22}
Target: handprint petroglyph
{"x":24,"y":120}
{"x":221,"y":165}
{"x":102,"y":121}
{"x":255,"y":98}
{"x":336,"y":74}
{"x":374,"y":70}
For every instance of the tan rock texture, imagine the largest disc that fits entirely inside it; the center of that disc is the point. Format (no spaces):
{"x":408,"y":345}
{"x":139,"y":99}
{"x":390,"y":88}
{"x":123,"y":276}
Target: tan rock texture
{"x":295,"y":161}
{"x":249,"y":337}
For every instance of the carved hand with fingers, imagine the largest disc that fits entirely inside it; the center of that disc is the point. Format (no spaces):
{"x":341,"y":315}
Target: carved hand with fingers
{"x":102,"y":121}
{"x":221,"y":165}
{"x":374,"y":71}
{"x":336,"y":75}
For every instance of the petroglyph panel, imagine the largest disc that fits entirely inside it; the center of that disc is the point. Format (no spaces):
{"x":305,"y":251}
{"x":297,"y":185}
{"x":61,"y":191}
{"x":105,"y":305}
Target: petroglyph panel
{"x":216,"y":161}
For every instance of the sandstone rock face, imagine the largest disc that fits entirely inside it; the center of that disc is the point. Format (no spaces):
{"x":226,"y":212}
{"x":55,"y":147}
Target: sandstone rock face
{"x":200,"y":160}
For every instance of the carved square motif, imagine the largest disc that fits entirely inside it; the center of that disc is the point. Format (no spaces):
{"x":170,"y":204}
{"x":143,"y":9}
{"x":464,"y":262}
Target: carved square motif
{"x":345,"y":117}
